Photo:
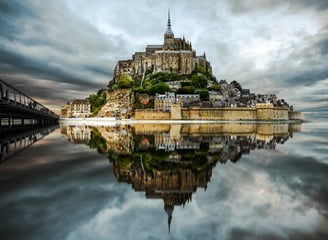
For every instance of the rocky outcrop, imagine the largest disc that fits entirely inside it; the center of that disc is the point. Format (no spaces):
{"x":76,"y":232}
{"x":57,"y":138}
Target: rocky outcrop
{"x":119,"y":139}
{"x":119,"y":104}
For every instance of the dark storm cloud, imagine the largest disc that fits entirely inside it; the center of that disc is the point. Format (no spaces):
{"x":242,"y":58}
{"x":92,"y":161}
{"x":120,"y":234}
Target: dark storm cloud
{"x":46,"y":42}
{"x":106,"y":72}
{"x":317,"y":98}
{"x":241,"y":6}
{"x":311,"y":66}
{"x":307,"y":78}
{"x":10,"y":13}
{"x":321,"y":109}
{"x":37,"y":68}
{"x":322,"y":45}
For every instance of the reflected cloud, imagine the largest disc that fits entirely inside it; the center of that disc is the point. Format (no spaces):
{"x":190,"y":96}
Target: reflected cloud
{"x":171,"y":161}
{"x":135,"y":187}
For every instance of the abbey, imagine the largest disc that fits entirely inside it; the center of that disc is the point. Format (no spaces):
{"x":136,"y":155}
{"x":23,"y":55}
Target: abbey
{"x":175,"y":55}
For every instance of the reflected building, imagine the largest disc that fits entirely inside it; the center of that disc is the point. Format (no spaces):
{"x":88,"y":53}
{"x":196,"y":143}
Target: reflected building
{"x":172,"y":181}
{"x":77,"y":134}
{"x":171,"y":161}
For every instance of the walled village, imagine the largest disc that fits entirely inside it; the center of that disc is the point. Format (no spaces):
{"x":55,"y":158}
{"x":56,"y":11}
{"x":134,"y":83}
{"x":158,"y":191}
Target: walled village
{"x":170,"y":82}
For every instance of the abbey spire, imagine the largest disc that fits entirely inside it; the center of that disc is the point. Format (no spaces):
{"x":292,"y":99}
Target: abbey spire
{"x":168,"y":36}
{"x":168,"y":29}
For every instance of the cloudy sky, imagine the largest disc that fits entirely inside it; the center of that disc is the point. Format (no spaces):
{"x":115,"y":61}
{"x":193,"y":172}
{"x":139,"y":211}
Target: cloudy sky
{"x":57,"y":50}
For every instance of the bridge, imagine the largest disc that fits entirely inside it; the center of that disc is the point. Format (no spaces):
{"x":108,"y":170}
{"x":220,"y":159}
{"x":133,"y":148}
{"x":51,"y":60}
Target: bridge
{"x":17,"y":110}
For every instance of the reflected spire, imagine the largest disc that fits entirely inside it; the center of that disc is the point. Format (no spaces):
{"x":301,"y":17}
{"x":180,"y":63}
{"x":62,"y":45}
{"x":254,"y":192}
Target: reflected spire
{"x":169,"y":210}
{"x":169,"y":220}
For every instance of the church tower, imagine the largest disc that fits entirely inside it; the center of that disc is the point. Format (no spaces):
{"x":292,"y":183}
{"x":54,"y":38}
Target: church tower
{"x":168,"y":36}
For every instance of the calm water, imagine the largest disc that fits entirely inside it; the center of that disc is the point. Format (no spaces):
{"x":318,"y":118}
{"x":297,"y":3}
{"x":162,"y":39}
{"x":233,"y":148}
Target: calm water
{"x":218,"y":181}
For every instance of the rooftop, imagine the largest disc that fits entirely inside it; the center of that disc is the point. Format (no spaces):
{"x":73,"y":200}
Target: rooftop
{"x":154,"y":46}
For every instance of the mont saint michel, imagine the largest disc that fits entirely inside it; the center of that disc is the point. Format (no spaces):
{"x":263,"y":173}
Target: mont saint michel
{"x":170,"y":81}
{"x":158,"y":120}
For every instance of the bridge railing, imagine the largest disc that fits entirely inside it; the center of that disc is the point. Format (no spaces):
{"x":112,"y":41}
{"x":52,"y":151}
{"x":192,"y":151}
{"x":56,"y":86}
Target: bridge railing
{"x":14,"y":96}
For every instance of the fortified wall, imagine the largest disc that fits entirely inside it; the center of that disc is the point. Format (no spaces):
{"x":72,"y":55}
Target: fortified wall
{"x":294,"y":115}
{"x":262,"y":112}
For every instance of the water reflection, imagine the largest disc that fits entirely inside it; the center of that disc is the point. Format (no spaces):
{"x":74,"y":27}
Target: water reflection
{"x":15,"y":141}
{"x":171,"y":161}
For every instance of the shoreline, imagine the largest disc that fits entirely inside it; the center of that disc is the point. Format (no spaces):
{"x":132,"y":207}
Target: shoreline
{"x":113,"y":121}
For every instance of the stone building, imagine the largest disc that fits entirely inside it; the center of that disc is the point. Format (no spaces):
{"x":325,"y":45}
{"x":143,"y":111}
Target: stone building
{"x":188,"y":100}
{"x":79,"y":108}
{"x":175,"y":55}
{"x":163,"y":102}
{"x":77,"y":134}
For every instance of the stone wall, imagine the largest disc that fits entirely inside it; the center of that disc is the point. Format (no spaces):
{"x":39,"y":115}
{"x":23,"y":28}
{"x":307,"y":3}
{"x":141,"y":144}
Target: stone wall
{"x":272,"y":114}
{"x":151,"y":114}
{"x":269,"y":112}
{"x":264,"y":112}
{"x":176,"y":112}
{"x":295,"y":115}
{"x":197,"y":113}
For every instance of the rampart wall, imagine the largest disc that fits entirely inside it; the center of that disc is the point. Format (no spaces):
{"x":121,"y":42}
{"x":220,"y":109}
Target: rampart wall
{"x":262,"y":112}
{"x":151,"y":114}
{"x":197,"y":113}
{"x":294,"y":115}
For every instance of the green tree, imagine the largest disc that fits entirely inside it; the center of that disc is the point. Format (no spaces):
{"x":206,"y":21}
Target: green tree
{"x":97,"y":142}
{"x":236,"y":85}
{"x":97,"y":100}
{"x":186,"y":90}
{"x":114,"y":87}
{"x":125,"y":82}
{"x":203,"y":94}
{"x":139,"y":90}
{"x":149,"y":70}
{"x":159,"y":88}
{"x":216,"y":87}
{"x":163,"y":77}
{"x":199,"y":81}
{"x":199,"y":69}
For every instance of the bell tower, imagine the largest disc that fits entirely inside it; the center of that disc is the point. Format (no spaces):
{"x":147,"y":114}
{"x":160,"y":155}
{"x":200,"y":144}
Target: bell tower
{"x":168,"y":36}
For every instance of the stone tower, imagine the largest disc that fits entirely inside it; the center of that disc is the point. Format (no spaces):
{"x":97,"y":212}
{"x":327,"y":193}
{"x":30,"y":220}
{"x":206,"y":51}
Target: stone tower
{"x":168,"y":36}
